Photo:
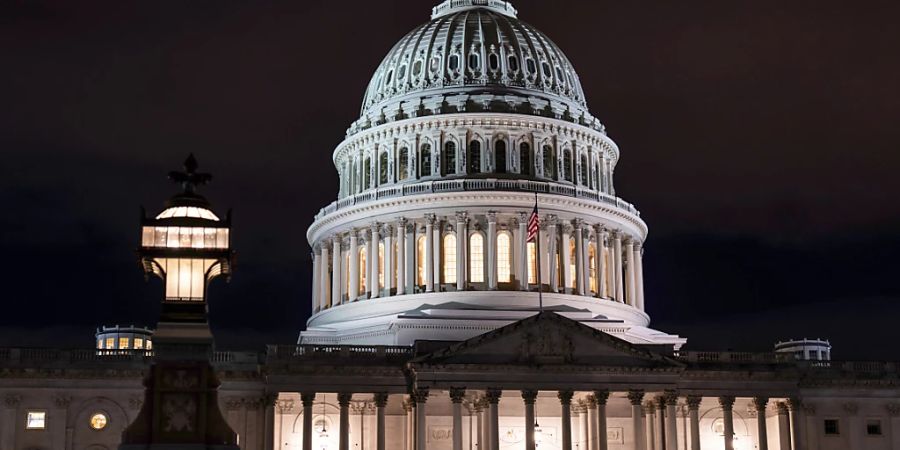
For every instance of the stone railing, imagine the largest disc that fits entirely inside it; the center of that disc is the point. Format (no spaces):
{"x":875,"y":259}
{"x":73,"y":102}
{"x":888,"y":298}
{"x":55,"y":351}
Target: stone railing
{"x":348,"y":353}
{"x":490,"y":184}
{"x":733,"y":357}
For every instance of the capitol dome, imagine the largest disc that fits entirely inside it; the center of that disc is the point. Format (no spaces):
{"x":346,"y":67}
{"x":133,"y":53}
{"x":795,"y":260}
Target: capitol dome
{"x":474,"y":55}
{"x":470,"y":120}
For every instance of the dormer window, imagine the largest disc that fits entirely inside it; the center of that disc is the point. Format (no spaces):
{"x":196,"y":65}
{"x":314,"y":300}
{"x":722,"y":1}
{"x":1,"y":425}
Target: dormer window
{"x":513,"y":63}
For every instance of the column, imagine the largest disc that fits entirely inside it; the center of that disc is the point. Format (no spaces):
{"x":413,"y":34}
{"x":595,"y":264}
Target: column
{"x":639,"y":275}
{"x":671,"y":433}
{"x":600,"y":246}
{"x":601,"y":396}
{"x":336,"y":272}
{"x":374,"y":240}
{"x":344,"y":403}
{"x":522,"y":254}
{"x":797,"y":437}
{"x":492,"y":249}
{"x":693,"y":402}
{"x":636,"y":396}
{"x":483,"y":428}
{"x":493,"y":398}
{"x":317,"y":280}
{"x":461,"y":240}
{"x":388,"y":260}
{"x":325,"y":280}
{"x":409,"y":441}
{"x":307,"y":398}
{"x":529,"y":397}
{"x":381,"y":400}
{"x":436,"y":255}
{"x":784,"y":426}
{"x":893,"y":422}
{"x":759,"y":404}
{"x":456,"y":397}
{"x":566,"y":258}
{"x":401,"y":256}
{"x":579,"y":258}
{"x":584,"y":434}
{"x":354,"y":267}
{"x":429,"y":252}
{"x":617,"y":267}
{"x":727,"y":403}
{"x":661,"y":431}
{"x":565,"y":400}
{"x":593,"y":430}
{"x":629,"y":273}
{"x":650,"y":425}
{"x":411,"y":257}
{"x":553,"y":272}
{"x":421,"y":396}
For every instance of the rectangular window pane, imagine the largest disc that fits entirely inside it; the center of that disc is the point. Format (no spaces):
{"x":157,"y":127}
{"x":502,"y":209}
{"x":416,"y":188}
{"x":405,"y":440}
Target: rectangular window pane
{"x":147,"y":236}
{"x":173,"y":236}
{"x":138,"y":343}
{"x":110,"y":343}
{"x":123,"y":343}
{"x":36,"y":420}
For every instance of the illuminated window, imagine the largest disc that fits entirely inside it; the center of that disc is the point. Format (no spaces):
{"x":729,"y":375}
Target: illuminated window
{"x":184,"y":237}
{"x":532,"y":263}
{"x":572,"y":257}
{"x":362,"y":271}
{"x":99,"y":343}
{"x":381,"y":265}
{"x":138,"y":343}
{"x":36,"y":420}
{"x":592,"y":268}
{"x":149,"y":344}
{"x":450,"y":258}
{"x":476,"y":258}
{"x":123,"y":343}
{"x":110,"y":343}
{"x":99,"y":421}
{"x":420,"y":261}
{"x":504,"y":264}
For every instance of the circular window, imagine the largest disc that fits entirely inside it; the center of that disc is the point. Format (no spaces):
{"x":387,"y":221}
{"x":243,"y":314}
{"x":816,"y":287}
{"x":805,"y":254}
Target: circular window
{"x":99,"y":421}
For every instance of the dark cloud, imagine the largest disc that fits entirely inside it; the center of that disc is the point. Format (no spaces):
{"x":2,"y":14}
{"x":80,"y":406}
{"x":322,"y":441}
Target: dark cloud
{"x":757,"y":138}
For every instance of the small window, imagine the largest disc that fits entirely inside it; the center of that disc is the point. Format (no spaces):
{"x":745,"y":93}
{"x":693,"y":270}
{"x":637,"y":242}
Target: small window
{"x":138,"y":343}
{"x":474,"y":61}
{"x":401,"y":73}
{"x":513,"y":63}
{"x":494,"y":61}
{"x":873,"y":427}
{"x":559,"y":75}
{"x":454,"y":62}
{"x":546,"y":67}
{"x":123,"y":343}
{"x":435,"y":64}
{"x":36,"y":420}
{"x":99,"y":421}
{"x":417,"y":67}
{"x":389,"y":77}
{"x":832,"y":427}
{"x":110,"y":343}
{"x":530,"y":65}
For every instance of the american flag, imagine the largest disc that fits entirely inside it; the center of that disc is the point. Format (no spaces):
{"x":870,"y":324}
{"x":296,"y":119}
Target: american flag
{"x":533,"y":224}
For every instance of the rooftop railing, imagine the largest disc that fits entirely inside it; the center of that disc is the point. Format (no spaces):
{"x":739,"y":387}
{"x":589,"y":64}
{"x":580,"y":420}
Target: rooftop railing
{"x":489,"y":184}
{"x":358,"y":353}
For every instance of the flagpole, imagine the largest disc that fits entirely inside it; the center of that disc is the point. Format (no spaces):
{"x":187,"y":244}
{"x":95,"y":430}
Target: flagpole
{"x":537,"y":240}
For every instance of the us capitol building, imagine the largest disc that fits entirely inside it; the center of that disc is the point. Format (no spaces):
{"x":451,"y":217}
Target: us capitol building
{"x":426,"y":330}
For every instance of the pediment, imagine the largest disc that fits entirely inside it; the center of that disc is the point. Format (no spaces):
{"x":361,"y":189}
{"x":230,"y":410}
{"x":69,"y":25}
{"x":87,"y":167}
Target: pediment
{"x":547,"y":338}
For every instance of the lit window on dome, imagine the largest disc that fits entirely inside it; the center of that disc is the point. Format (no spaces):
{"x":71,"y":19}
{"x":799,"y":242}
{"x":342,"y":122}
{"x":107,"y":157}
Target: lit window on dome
{"x":476,"y":258}
{"x":450,"y":258}
{"x":99,"y":421}
{"x":504,"y":259}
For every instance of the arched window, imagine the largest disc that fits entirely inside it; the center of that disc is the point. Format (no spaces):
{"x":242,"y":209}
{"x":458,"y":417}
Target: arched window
{"x":381,"y":265}
{"x":474,"y":157}
{"x":500,"y":156}
{"x":526,"y":164}
{"x":596,"y":172}
{"x":367,"y":171}
{"x":592,"y":267}
{"x":476,"y":258}
{"x":346,"y":272}
{"x":425,"y":161}
{"x":584,"y":171}
{"x":532,"y":263}
{"x":474,"y":61}
{"x":549,"y":159}
{"x":383,"y":168}
{"x":567,"y":165}
{"x":403,"y":164}
{"x":449,"y":258}
{"x":504,"y":258}
{"x":420,"y":261}
{"x":354,"y":168}
{"x":450,"y":158}
{"x":572,"y":257}
{"x":362,"y":271}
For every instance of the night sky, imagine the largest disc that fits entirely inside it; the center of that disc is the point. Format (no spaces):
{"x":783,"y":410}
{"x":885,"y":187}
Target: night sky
{"x":760,"y":140}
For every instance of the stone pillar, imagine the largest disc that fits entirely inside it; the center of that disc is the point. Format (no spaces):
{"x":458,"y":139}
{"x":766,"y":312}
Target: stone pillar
{"x":784,"y":426}
{"x":727,"y":404}
{"x":593,"y":430}
{"x":10,"y":424}
{"x":693,"y":402}
{"x":636,"y":396}
{"x":797,"y":437}
{"x":811,"y":424}
{"x":429,"y":252}
{"x":492,"y":249}
{"x":600,"y":398}
{"x":307,"y":398}
{"x":763,"y":440}
{"x":411,"y":257}
{"x":325,"y":280}
{"x":484,"y":432}
{"x":374,"y":241}
{"x":529,"y":397}
{"x":456,"y":397}
{"x":316,"y":281}
{"x":354,"y":267}
{"x":639,"y":276}
{"x":408,"y":407}
{"x":381,"y":400}
{"x":336,"y":273}
{"x":421,"y":396}
{"x":584,"y":434}
{"x":671,"y":398}
{"x":344,"y":403}
{"x":522,"y":254}
{"x":493,"y":398}
{"x":58,"y":418}
{"x":579,"y":258}
{"x":436,"y":255}
{"x":617,"y":267}
{"x":565,"y":400}
{"x":566,"y":258}
{"x":650,"y":433}
{"x":461,"y":240}
{"x":599,"y":246}
{"x":661,"y":431}
{"x":629,"y":273}
{"x":553,"y":260}
{"x":388,"y":260}
{"x":401,"y":256}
